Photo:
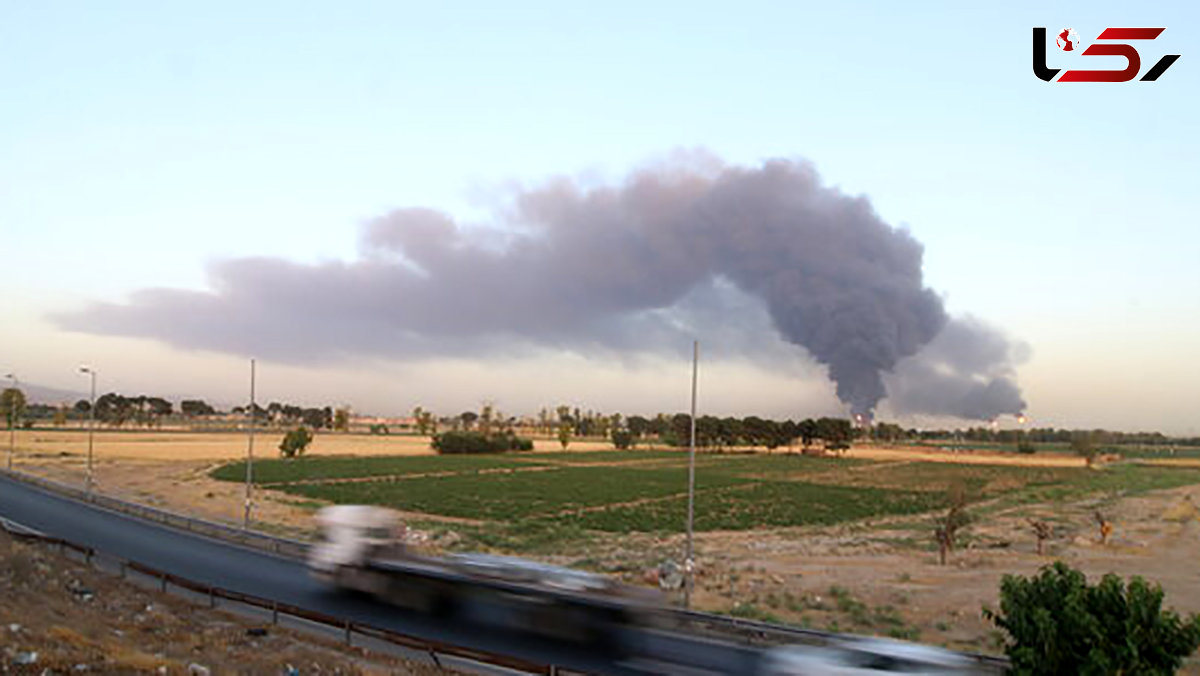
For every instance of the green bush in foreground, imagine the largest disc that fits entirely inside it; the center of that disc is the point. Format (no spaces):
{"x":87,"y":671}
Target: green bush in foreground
{"x":1059,"y":624}
{"x":478,"y":442}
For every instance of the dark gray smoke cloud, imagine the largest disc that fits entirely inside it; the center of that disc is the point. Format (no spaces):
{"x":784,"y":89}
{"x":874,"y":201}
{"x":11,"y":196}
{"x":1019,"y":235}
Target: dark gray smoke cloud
{"x":637,"y":267}
{"x":966,"y":371}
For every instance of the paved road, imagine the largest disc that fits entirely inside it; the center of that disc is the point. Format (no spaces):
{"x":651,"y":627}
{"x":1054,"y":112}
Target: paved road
{"x":252,"y":572}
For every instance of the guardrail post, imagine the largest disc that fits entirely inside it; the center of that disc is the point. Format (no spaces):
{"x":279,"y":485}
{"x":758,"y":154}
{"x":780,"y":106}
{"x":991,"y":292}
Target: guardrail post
{"x":162,"y":579}
{"x":347,"y":632}
{"x":274,"y":612}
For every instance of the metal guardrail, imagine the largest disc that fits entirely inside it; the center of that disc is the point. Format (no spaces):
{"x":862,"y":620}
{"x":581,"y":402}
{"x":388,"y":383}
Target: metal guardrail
{"x":347,"y":628}
{"x":246,"y":537}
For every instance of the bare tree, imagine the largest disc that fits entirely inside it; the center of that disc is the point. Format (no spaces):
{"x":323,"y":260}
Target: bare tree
{"x":1106,"y":527}
{"x":946,"y":529}
{"x":1043,"y":532}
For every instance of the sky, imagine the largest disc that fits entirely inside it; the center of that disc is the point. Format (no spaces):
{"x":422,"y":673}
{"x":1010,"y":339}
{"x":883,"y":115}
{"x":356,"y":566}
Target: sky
{"x":149,"y":146}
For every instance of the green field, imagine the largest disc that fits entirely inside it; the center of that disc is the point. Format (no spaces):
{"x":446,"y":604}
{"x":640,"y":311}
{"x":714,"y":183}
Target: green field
{"x":645,"y":491}
{"x":345,"y":467}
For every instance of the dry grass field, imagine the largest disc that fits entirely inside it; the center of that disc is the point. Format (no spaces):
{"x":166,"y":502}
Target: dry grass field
{"x":179,"y":445}
{"x":172,"y":445}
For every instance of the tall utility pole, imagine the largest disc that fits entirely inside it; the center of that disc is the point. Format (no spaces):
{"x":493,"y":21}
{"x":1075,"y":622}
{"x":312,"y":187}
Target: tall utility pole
{"x":12,"y":419}
{"x":250,"y":455}
{"x":91,"y":425}
{"x":689,"y":565}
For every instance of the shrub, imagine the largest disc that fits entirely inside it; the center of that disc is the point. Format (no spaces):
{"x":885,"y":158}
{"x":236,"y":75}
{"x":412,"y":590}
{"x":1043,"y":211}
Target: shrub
{"x":622,"y":439}
{"x":1026,"y":447}
{"x":295,"y":442}
{"x":1059,"y":624}
{"x":478,"y":442}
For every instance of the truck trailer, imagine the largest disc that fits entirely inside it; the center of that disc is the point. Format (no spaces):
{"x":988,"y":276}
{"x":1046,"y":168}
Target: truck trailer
{"x":363,"y":549}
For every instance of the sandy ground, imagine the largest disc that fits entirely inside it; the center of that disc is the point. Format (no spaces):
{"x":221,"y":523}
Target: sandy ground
{"x":171,"y":445}
{"x":893,"y":564}
{"x":868,"y":577}
{"x":973,"y":457}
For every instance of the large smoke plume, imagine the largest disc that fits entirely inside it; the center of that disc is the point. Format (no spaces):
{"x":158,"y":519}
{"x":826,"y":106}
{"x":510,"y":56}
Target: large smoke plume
{"x":633,"y":267}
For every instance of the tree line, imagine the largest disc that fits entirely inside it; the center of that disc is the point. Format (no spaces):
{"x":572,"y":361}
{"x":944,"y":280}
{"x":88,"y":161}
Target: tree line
{"x":118,"y":410}
{"x":1051,"y":435}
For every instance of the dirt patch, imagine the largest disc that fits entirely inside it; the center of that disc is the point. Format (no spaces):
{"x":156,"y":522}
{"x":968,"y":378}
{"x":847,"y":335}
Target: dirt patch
{"x":59,"y":616}
{"x":891,"y":568}
{"x":181,"y":445}
{"x":972,"y":457}
{"x":182,"y":486}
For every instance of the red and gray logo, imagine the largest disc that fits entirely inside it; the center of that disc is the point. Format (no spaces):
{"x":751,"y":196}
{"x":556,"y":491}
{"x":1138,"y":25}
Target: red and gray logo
{"x":1105,"y":44}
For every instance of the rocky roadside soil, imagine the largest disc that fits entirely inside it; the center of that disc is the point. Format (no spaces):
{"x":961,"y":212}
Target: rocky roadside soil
{"x":58,"y":616}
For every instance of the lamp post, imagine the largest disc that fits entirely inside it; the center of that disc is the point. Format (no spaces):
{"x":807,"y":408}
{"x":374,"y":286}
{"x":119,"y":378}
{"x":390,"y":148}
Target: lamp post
{"x":91,"y":425}
{"x":250,"y":457}
{"x":12,"y":419}
{"x":688,"y":562}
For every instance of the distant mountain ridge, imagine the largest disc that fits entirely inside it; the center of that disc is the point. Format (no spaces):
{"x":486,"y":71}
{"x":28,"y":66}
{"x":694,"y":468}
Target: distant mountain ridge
{"x":40,"y":394}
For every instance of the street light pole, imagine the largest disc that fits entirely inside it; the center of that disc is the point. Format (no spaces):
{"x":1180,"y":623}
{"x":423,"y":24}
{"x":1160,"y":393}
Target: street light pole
{"x":688,"y":562}
{"x":12,"y":419}
{"x":91,"y":425}
{"x":250,"y":456}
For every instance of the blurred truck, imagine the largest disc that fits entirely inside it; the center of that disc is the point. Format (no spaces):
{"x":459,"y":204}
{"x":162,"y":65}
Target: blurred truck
{"x":363,"y":549}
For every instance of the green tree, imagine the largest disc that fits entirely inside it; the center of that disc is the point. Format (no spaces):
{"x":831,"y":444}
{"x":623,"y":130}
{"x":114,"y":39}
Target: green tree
{"x":889,"y":432}
{"x":639,"y":426}
{"x":194,"y":407}
{"x":486,"y":415}
{"x":468,"y":419}
{"x":12,"y":403}
{"x":564,"y":433}
{"x":622,"y":439}
{"x":808,"y":431}
{"x":1059,"y":624}
{"x":295,"y":442}
{"x":341,"y":420}
{"x":419,"y":419}
{"x":837,"y":433}
{"x":1084,"y":444}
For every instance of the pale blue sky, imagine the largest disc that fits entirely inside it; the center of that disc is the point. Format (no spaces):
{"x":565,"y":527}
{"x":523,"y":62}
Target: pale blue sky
{"x":140,"y":140}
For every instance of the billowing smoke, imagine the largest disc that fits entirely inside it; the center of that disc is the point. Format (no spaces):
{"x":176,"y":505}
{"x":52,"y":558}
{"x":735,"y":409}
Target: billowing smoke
{"x":966,"y":371}
{"x":636,"y":267}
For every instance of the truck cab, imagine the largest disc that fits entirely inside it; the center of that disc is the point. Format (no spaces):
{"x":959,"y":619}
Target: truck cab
{"x":350,"y":536}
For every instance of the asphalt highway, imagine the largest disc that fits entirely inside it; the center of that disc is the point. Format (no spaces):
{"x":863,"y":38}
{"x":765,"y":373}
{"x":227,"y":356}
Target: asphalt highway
{"x":235,"y":568}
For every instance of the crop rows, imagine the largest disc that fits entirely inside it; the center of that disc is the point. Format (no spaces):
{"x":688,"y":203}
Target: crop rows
{"x":595,"y":490}
{"x":346,"y":467}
